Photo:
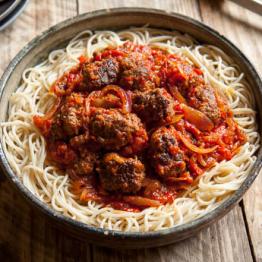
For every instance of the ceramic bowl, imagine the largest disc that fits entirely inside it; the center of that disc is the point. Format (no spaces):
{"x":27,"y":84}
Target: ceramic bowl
{"x":113,"y":19}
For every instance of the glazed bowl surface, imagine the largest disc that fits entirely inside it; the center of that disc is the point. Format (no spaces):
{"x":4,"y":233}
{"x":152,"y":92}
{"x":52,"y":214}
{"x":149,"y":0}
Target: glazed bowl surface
{"x":115,"y":19}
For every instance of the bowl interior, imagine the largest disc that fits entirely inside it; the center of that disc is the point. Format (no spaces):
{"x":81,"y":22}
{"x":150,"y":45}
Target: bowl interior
{"x":115,"y":19}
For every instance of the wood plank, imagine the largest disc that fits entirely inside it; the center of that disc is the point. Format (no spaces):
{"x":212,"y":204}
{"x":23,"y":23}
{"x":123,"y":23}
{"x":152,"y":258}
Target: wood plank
{"x":247,"y":35}
{"x":253,"y":211}
{"x":187,"y":7}
{"x":227,"y":237}
{"x":241,"y":26}
{"x":225,"y":240}
{"x":37,"y":17}
{"x":25,"y":234}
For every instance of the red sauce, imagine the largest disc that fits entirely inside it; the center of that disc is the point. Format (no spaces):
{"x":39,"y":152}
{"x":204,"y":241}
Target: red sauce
{"x":137,"y":69}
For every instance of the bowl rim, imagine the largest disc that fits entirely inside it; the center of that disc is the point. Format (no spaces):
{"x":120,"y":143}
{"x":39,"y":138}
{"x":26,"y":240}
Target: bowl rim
{"x":191,"y":225}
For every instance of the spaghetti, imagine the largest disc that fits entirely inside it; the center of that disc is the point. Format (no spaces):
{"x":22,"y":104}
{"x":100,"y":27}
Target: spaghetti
{"x":25,"y":146}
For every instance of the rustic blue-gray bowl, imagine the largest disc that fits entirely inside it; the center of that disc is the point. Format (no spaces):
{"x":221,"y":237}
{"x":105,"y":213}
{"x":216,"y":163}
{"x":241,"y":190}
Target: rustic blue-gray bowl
{"x":58,"y":35}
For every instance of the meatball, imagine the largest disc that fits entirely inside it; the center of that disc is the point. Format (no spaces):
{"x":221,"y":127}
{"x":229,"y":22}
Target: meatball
{"x":137,"y":73}
{"x":166,"y":157}
{"x":154,"y":106}
{"x":70,"y":119}
{"x":190,"y":83}
{"x":100,"y":73}
{"x":117,"y":173}
{"x":202,"y":97}
{"x":61,"y":153}
{"x":112,"y":129}
{"x":84,"y":165}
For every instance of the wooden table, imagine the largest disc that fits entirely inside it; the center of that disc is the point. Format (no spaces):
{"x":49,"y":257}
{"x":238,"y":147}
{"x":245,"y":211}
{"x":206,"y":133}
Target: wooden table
{"x":26,"y":235}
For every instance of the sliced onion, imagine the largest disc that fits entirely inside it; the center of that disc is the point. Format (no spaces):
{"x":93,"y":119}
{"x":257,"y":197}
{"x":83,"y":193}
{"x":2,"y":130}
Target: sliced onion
{"x":83,"y":188}
{"x":124,"y":97}
{"x":185,"y":177}
{"x":92,"y":95}
{"x":110,"y":89}
{"x":194,"y":148}
{"x":177,"y":95}
{"x":197,"y":118}
{"x":129,"y":100}
{"x":53,"y":109}
{"x":201,"y":160}
{"x":43,"y":123}
{"x":141,"y":201}
{"x":89,"y":194}
{"x":175,"y":119}
{"x":64,"y":80}
{"x":61,"y":92}
{"x":114,"y":157}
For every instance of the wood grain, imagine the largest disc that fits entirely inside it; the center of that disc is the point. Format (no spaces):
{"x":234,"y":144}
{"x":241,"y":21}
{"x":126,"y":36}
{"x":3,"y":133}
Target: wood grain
{"x":26,"y":235}
{"x":244,"y":29}
{"x":33,"y":238}
{"x":38,"y":16}
{"x":223,"y":241}
{"x":216,"y":234}
{"x":187,"y":7}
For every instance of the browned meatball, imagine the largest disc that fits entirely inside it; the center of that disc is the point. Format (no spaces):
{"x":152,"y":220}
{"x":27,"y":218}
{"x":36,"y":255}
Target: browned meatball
{"x":70,"y":119}
{"x":100,"y":73}
{"x":84,"y":165}
{"x":117,"y":173}
{"x":202,"y":97}
{"x":166,"y":156}
{"x":113,"y":129}
{"x":137,"y":73}
{"x":191,"y":85}
{"x":155,"y":107}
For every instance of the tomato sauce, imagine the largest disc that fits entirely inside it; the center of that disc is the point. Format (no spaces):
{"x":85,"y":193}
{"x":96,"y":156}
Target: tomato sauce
{"x":200,"y":132}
